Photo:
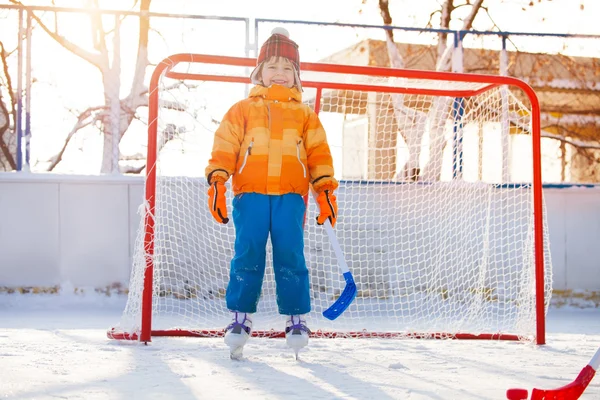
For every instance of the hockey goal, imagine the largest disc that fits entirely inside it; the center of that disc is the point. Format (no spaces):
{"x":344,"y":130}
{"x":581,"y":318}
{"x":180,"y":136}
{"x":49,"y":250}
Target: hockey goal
{"x":441,"y":220}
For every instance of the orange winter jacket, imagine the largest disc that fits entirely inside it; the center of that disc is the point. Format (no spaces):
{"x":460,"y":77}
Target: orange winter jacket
{"x":271,"y":143}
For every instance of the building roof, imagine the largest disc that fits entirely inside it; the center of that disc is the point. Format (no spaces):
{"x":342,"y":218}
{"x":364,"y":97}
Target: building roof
{"x":568,"y":88}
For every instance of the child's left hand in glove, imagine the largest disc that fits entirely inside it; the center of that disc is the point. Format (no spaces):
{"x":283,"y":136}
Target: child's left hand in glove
{"x":327,"y":207}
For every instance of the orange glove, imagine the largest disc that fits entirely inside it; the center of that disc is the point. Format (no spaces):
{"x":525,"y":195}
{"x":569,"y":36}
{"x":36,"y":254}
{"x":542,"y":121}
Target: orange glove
{"x":216,"y":202}
{"x":327,"y":207}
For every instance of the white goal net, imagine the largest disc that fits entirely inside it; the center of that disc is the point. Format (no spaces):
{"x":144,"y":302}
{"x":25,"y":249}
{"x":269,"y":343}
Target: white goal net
{"x":437,"y":208}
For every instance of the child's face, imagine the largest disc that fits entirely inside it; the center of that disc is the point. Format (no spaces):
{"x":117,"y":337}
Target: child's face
{"x":278,"y":70}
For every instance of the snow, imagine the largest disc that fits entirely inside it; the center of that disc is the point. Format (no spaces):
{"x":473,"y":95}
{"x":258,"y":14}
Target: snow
{"x":55,"y":346}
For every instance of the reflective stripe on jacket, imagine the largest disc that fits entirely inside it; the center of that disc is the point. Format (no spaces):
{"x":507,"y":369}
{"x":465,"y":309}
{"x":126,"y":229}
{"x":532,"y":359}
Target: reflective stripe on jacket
{"x":271,"y":143}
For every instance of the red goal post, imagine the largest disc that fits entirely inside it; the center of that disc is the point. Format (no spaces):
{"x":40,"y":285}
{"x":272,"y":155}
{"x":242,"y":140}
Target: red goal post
{"x":137,"y":323}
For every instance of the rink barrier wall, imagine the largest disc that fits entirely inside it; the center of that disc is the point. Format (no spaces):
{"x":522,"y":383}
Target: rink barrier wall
{"x":80,"y":230}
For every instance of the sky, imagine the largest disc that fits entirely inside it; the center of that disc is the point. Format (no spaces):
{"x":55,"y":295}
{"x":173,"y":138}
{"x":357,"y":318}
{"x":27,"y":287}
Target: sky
{"x":56,"y":347}
{"x":562,"y":16}
{"x":545,"y":16}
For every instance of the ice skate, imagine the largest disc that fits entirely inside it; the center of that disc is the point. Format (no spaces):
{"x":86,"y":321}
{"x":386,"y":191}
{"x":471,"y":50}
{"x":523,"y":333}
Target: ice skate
{"x":237,"y":334}
{"x":296,"y":333}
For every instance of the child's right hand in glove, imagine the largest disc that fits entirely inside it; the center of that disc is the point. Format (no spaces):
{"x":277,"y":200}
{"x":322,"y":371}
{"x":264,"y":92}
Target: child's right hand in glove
{"x":217,"y":203}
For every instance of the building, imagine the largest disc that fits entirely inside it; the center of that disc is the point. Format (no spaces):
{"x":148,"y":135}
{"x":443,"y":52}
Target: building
{"x":568,"y":89}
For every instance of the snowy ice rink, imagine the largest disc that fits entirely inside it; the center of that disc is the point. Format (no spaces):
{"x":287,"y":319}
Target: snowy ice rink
{"x":55,"y":347}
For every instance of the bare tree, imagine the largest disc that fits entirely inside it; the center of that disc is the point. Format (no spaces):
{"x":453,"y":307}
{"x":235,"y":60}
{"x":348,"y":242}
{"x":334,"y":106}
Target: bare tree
{"x":116,"y":114}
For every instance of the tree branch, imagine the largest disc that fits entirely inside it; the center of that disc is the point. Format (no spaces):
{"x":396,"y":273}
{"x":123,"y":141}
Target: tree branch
{"x":137,"y":86}
{"x":3,"y":146}
{"x":384,"y":8}
{"x":128,"y":169}
{"x":97,"y":29}
{"x":84,"y":119}
{"x":579,"y":144}
{"x":92,"y":58}
{"x":429,"y":24}
{"x":396,"y":60}
{"x":444,"y":60}
{"x":468,"y":22}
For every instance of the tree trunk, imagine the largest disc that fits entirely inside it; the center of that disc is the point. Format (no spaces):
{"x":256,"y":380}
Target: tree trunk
{"x":111,"y":123}
{"x":440,"y":109}
{"x":7,"y":143}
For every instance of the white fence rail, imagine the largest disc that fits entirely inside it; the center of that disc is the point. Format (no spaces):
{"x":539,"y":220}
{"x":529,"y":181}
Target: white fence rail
{"x":56,"y":229}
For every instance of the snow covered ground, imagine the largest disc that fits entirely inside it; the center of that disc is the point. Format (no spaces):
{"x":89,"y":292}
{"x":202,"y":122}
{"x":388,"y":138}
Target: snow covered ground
{"x":55,"y":346}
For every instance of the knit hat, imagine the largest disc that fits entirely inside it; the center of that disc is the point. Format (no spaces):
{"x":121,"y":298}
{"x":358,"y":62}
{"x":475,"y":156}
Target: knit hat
{"x":278,"y":45}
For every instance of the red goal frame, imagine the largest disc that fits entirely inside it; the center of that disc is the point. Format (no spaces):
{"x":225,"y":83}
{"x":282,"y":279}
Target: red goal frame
{"x":166,"y":68}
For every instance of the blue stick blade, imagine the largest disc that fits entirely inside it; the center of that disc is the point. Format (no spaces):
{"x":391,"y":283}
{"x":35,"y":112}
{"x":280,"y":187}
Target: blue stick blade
{"x":345,"y":299}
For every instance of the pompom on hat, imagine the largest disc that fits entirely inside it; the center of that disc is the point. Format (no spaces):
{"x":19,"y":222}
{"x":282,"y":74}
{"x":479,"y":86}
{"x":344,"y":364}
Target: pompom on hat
{"x":278,"y":44}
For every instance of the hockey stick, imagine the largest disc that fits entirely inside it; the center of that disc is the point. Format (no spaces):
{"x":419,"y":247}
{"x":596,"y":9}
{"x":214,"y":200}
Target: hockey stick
{"x":349,"y":293}
{"x":572,"y":391}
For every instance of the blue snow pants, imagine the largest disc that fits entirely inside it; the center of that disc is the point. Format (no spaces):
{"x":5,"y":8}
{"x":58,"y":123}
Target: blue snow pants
{"x":255,"y":216}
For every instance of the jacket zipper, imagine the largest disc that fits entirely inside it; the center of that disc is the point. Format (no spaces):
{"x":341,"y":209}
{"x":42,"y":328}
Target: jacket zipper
{"x":248,"y":152}
{"x":269,"y":118}
{"x":298,"y":155}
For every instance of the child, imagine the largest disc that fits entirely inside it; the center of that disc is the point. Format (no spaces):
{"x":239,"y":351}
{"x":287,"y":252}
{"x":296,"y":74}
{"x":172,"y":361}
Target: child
{"x":273,"y":146}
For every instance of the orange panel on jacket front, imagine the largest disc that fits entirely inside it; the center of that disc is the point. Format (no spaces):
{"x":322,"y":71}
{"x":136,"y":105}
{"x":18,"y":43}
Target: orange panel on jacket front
{"x":273,"y":130}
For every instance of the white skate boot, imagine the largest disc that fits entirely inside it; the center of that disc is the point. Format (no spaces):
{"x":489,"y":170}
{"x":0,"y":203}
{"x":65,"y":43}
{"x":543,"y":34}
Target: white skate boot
{"x":237,"y":333}
{"x":296,"y":332}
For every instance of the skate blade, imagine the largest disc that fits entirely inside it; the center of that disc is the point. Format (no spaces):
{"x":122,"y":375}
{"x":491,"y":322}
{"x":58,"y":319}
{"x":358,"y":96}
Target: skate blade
{"x":236,"y":340}
{"x":297,"y":342}
{"x":236,"y":353}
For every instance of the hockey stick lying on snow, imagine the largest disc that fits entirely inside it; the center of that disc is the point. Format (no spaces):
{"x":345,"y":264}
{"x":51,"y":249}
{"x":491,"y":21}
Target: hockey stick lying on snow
{"x":572,"y":391}
{"x":349,"y":293}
